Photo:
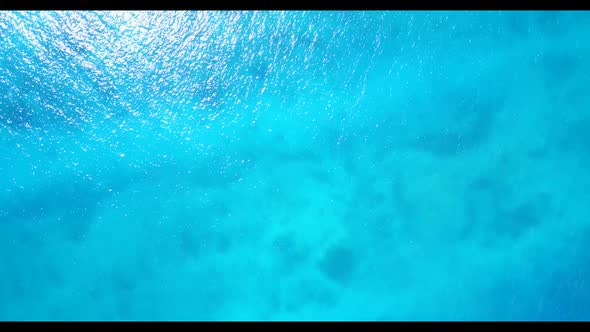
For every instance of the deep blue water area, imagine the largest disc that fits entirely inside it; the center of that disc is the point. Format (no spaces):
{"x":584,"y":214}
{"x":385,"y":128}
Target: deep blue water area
{"x":294,"y":165}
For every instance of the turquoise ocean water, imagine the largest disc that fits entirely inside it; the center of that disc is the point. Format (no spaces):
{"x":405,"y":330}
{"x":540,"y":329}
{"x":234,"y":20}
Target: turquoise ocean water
{"x":294,"y":165}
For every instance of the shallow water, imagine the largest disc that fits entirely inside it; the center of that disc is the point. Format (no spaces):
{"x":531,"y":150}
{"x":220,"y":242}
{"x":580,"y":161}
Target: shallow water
{"x":294,"y":165}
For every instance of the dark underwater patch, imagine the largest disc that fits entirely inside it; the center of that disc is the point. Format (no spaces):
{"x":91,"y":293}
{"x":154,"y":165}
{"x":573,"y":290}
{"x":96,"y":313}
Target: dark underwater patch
{"x":490,"y":218}
{"x":462,"y":121}
{"x":339,"y":264}
{"x":559,"y":67}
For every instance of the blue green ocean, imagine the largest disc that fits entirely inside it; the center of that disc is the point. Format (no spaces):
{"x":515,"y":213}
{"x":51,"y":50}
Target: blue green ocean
{"x":329,"y":165}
